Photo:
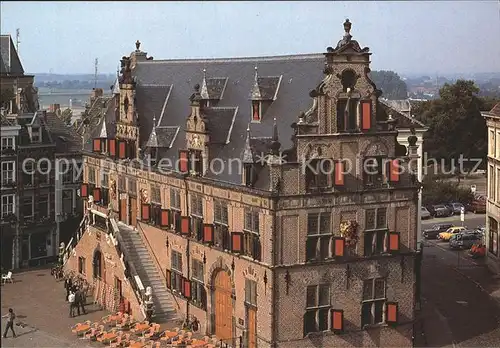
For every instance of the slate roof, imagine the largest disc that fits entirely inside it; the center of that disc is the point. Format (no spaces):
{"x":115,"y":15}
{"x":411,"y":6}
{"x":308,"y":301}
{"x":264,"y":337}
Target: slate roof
{"x":163,"y":88}
{"x":400,"y":110}
{"x":10,"y":63}
{"x":212,"y":88}
{"x":495,"y":110}
{"x":66,"y":139}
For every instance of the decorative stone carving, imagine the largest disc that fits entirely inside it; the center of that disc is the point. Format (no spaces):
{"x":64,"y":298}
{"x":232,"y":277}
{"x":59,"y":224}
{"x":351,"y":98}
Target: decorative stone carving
{"x":144,"y":195}
{"x":112,"y":188}
{"x":349,"y":230}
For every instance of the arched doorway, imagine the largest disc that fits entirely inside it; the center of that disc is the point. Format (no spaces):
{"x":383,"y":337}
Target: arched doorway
{"x":97,"y":264}
{"x":223,"y":306}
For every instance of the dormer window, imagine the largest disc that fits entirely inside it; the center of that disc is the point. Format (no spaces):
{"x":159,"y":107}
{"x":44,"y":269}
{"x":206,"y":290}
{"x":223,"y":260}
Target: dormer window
{"x":153,"y":156}
{"x":249,"y":178}
{"x":36,"y":136}
{"x":256,"y":111}
{"x":196,"y":162}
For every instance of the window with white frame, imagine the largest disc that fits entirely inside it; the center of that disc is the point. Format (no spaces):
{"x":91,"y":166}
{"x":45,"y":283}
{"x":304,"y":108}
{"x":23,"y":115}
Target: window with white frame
{"x":44,"y":173}
{"x":68,"y":173}
{"x":35,"y":135}
{"x":374,"y":301}
{"x":319,"y":236}
{"x":198,"y":294}
{"x":8,"y":172}
{"x":7,"y":143}
{"x":28,"y":207}
{"x":491,"y":184}
{"x":197,"y":216}
{"x":91,"y":175}
{"x":376,"y":233}
{"x":28,"y":173}
{"x":222,"y":238}
{"x":497,"y":145}
{"x":43,"y":205}
{"x":491,"y":142}
{"x":176,"y":274}
{"x":498,"y":186}
{"x":318,"y":305}
{"x":251,"y":243}
{"x":67,"y":201}
{"x":175,"y":208}
{"x":8,"y":205}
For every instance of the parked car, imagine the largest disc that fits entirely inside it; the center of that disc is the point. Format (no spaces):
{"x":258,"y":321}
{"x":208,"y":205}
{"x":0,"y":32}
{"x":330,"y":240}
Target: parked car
{"x":477,"y":206}
{"x":446,"y":235}
{"x":464,"y":240}
{"x":432,"y":233}
{"x":430,"y":208}
{"x":441,"y":210}
{"x":424,"y":213}
{"x":456,"y":207}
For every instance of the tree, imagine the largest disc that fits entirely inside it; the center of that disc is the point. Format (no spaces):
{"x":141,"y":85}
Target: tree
{"x":436,"y":191}
{"x":66,"y":116}
{"x":390,"y":83}
{"x":456,"y":126}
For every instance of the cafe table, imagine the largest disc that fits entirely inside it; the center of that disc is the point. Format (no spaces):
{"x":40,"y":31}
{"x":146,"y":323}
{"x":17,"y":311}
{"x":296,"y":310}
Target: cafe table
{"x":80,"y":329}
{"x":107,"y":337}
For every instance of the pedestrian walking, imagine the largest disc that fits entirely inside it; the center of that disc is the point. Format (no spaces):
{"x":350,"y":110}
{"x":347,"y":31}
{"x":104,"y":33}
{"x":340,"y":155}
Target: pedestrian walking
{"x":71,"y":300}
{"x":67,"y":285}
{"x":80,"y":301}
{"x":10,"y":322}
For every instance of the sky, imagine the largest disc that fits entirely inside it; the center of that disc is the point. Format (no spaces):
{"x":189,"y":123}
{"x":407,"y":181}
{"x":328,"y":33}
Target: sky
{"x":409,"y":37}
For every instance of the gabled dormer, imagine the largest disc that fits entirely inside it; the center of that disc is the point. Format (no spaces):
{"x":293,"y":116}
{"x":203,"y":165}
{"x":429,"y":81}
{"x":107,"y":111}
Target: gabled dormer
{"x":35,"y":130}
{"x":212,"y":90}
{"x":264,"y":92}
{"x":194,"y":158}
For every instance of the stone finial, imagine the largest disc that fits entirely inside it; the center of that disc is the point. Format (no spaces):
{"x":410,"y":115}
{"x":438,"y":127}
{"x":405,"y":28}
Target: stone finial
{"x":154,"y":120}
{"x":137,"y":45}
{"x":256,"y":77}
{"x":275,"y":144}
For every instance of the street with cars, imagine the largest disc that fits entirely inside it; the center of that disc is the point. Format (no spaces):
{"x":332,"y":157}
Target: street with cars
{"x":459,"y":305}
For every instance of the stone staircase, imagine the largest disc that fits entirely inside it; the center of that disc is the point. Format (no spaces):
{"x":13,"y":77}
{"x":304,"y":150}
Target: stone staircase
{"x":143,"y":262}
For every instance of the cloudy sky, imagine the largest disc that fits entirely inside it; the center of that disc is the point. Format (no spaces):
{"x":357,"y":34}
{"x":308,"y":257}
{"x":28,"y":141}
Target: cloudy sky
{"x":407,"y":36}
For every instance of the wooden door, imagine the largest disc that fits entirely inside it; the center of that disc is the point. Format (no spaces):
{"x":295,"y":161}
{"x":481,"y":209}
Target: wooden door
{"x":118,"y":287}
{"x":223,"y":303}
{"x":133,"y":211}
{"x":252,"y":326}
{"x":123,"y":210}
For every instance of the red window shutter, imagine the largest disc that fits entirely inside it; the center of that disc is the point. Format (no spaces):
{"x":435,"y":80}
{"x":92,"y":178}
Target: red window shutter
{"x":97,"y":145}
{"x":112,"y":147}
{"x":392,"y":313}
{"x":97,"y":194}
{"x":237,"y":242}
{"x":185,"y":225}
{"x":394,"y":241}
{"x":164,"y":218}
{"x":84,"y":191}
{"x":168,"y":276}
{"x":255,"y":111}
{"x":394,"y":170}
{"x":339,"y":173}
{"x":145,"y":212}
{"x":339,"y":246}
{"x":184,"y":161}
{"x":122,"y":149}
{"x":366,"y":112}
{"x":186,"y":287}
{"x":208,"y":233}
{"x":337,"y":320}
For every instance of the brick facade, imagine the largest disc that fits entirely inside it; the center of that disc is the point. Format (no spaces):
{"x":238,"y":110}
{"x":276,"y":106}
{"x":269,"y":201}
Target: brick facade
{"x":359,"y":291}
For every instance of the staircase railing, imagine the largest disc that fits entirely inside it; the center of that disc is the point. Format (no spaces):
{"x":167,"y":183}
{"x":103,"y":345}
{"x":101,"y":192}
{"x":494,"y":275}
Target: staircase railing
{"x":157,"y":262}
{"x":130,"y":270}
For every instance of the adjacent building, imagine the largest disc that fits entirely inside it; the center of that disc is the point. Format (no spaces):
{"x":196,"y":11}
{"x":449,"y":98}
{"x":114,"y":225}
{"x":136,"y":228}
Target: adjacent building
{"x":33,"y":142}
{"x":268,"y":197}
{"x":493,"y":204}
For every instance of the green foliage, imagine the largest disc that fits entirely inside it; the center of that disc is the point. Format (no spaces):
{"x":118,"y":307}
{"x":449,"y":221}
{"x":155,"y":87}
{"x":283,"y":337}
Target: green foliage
{"x":66,"y":116}
{"x":390,"y":83}
{"x":456,"y":126}
{"x":438,"y":191}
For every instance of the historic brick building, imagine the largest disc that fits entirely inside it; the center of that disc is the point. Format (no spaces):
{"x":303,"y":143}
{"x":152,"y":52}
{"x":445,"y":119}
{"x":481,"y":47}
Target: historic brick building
{"x":493,"y":204}
{"x":243,"y":234}
{"x":32,"y":140}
